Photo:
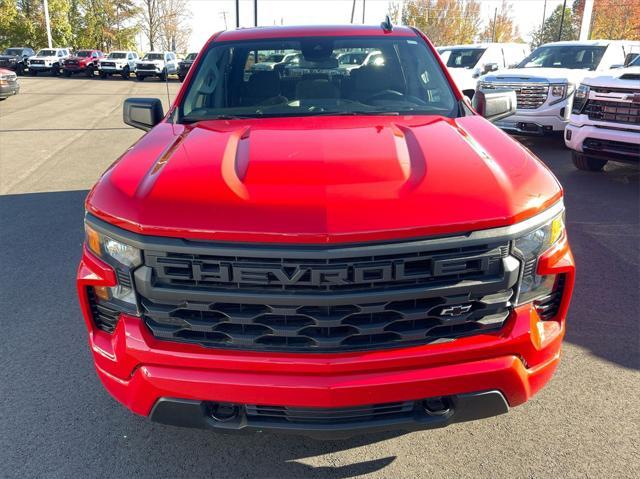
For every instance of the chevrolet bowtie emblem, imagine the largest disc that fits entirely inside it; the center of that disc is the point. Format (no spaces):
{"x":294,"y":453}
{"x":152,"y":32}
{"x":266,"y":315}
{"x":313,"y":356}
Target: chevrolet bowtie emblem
{"x":456,"y":310}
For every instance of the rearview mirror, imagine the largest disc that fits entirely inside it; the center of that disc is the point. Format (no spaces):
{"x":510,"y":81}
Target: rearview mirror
{"x":495,"y":105}
{"x":490,"y":67}
{"x":143,"y":113}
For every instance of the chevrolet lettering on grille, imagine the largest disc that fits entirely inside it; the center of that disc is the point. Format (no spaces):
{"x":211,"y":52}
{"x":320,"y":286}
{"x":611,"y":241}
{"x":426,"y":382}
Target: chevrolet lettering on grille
{"x":378,"y":272}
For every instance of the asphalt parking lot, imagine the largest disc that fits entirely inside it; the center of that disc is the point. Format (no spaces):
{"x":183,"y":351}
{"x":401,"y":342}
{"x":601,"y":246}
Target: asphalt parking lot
{"x":56,"y":420}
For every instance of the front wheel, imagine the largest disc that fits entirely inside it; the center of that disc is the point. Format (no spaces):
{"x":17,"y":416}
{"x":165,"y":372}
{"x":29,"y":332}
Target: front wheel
{"x":89,"y":71}
{"x":55,"y":70}
{"x":181,"y":78}
{"x":67,"y":73}
{"x":139,"y":77}
{"x":33,"y":73}
{"x":163,"y":75}
{"x":125,"y":73}
{"x":20,"y":69}
{"x":103,"y":75}
{"x":587,"y":163}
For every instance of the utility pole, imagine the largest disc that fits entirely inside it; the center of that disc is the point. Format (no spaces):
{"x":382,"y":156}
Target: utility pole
{"x":353,"y":10}
{"x":544,"y":12}
{"x":364,"y":6}
{"x":47,"y":22}
{"x":564,"y":7}
{"x":237,"y":13}
{"x":255,"y":13}
{"x":586,"y":20}
{"x":495,"y":14}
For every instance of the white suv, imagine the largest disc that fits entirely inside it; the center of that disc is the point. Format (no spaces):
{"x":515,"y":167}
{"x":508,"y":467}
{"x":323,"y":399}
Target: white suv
{"x":466,"y":63}
{"x":546,"y":81}
{"x":158,"y":64}
{"x":48,"y":60}
{"x":605,"y":120}
{"x":121,"y":63}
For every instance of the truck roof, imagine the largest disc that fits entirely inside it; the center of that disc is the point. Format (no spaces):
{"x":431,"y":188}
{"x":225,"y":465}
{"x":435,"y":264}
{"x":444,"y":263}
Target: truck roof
{"x":480,"y":45}
{"x":597,"y":43}
{"x":309,"y":31}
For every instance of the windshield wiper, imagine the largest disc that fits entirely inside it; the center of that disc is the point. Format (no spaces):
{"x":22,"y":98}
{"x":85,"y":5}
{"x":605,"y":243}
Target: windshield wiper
{"x":195,"y":119}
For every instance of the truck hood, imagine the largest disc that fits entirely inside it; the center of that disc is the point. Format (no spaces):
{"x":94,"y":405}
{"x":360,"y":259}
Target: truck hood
{"x":618,"y":78}
{"x":552,"y":75}
{"x":463,"y":78}
{"x":323,"y":180}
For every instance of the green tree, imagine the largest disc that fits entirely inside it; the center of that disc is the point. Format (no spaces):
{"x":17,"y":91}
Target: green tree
{"x":550,"y":29}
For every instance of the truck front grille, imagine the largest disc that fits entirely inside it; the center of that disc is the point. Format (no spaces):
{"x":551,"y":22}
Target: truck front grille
{"x":108,"y":64}
{"x":613,"y":111}
{"x":325,"y":299}
{"x":146,"y":66}
{"x":529,"y":96}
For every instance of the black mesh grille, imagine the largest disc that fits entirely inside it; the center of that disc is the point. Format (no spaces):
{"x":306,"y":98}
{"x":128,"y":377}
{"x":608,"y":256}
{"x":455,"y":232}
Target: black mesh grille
{"x":614,"y":111}
{"x":326,"y":328}
{"x":324,"y":300}
{"x":548,"y":306}
{"x":104,"y":316}
{"x":330,"y":415}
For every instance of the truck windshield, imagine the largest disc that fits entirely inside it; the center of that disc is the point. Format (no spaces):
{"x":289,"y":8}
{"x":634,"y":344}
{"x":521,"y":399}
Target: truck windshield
{"x":154,"y":56}
{"x":461,"y":57}
{"x":116,"y":55}
{"x":191,"y":57}
{"x":12,"y":51}
{"x":407,"y":80}
{"x":635,"y":62}
{"x":83,"y":53}
{"x":47,"y":53}
{"x":576,"y":57}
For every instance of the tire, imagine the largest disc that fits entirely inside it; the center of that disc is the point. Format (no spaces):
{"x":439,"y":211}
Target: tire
{"x":67,"y":73}
{"x":181,"y":78}
{"x":89,"y":71}
{"x":55,"y":70}
{"x":125,"y":73}
{"x":20,"y":69}
{"x":587,"y":163}
{"x":33,"y":73}
{"x":4,"y":98}
{"x":103,"y":75}
{"x":139,"y":77}
{"x":163,"y":75}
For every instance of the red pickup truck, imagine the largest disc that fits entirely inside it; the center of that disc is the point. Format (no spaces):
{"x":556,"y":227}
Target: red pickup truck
{"x":82,"y":61}
{"x":322,"y":250}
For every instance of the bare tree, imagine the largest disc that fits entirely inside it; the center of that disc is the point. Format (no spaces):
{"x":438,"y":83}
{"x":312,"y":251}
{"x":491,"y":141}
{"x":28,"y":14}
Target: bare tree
{"x":150,"y":21}
{"x":175,"y":28}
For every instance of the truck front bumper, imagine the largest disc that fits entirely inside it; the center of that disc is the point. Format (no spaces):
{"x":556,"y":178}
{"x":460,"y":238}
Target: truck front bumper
{"x":181,"y":384}
{"x":614,"y":143}
{"x":543,"y":120}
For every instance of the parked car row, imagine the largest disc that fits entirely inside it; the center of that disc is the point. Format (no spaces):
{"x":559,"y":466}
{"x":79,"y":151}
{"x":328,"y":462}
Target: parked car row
{"x":57,"y":61}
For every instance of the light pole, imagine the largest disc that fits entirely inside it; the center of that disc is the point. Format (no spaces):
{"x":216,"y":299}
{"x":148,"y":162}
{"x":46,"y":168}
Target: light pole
{"x":564,"y":7}
{"x":255,"y":13}
{"x":237,"y":13}
{"x":47,"y":23}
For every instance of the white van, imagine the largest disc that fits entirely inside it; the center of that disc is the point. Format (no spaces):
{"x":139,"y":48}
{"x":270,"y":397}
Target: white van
{"x":467,"y":63}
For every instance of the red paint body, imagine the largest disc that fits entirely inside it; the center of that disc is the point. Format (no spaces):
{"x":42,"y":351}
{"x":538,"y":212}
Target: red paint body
{"x":323,"y":180}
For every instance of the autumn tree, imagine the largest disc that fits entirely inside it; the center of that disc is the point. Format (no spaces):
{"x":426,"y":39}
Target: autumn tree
{"x":445,"y":22}
{"x":611,"y":19}
{"x":500,"y":27}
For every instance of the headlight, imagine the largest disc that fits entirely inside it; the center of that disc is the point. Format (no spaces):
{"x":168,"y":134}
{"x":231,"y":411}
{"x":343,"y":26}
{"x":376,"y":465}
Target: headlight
{"x":530,"y":247}
{"x":580,"y":99}
{"x":123,"y":257}
{"x":558,"y":90}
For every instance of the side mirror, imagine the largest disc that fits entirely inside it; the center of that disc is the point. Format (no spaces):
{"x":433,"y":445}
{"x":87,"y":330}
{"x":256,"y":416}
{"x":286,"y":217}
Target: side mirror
{"x":495,"y":105}
{"x":490,"y":67}
{"x":143,"y":113}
